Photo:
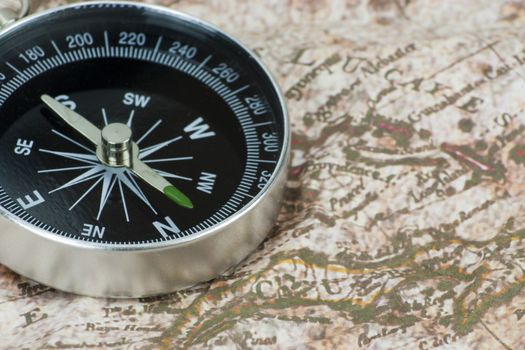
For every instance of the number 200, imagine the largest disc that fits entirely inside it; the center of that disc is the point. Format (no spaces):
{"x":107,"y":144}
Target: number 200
{"x":79,"y":40}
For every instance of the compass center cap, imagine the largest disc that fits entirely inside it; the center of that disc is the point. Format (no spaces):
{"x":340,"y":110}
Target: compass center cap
{"x":117,"y":136}
{"x":117,"y":146}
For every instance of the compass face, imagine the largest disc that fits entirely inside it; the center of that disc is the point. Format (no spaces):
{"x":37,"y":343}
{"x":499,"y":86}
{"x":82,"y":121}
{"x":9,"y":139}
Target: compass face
{"x":203,"y":114}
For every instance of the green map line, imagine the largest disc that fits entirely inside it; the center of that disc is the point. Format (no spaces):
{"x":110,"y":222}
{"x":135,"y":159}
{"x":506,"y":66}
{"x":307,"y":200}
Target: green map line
{"x":209,"y":324}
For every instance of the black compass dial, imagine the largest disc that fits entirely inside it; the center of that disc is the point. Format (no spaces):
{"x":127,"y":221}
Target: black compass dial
{"x":202,"y":113}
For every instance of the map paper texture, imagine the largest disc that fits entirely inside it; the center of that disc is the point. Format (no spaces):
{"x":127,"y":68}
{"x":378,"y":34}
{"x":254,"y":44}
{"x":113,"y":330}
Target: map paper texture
{"x":403,"y":225}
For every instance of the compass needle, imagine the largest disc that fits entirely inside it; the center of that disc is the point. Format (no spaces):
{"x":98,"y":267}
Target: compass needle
{"x":178,"y":197}
{"x":166,"y":160}
{"x":153,"y":178}
{"x":112,"y":142}
{"x":73,"y":119}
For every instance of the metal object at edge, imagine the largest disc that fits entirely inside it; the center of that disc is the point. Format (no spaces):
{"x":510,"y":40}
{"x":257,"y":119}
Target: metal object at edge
{"x":9,"y":15}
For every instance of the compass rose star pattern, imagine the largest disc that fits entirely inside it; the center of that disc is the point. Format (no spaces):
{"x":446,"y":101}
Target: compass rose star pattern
{"x":110,"y":179}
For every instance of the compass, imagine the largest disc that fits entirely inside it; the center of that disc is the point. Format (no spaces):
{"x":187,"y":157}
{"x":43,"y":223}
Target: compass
{"x":142,"y":151}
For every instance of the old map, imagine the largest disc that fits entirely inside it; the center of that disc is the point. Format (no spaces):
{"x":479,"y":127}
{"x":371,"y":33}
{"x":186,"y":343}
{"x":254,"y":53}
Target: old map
{"x":403,"y":225}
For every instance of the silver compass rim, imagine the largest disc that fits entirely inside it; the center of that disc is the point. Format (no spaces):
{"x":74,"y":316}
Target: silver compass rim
{"x":141,"y":270}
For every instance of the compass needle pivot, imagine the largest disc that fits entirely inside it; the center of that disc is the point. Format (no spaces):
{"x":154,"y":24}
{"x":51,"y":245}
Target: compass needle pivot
{"x":116,"y":148}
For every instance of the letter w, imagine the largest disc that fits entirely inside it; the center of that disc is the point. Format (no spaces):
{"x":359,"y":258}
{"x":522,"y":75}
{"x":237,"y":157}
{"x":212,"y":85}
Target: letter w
{"x":199,"y":129}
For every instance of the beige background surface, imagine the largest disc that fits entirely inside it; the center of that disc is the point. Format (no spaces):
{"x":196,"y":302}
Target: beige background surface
{"x":403,"y":225}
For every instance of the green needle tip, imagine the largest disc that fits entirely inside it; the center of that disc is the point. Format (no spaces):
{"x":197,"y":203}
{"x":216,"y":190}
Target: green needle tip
{"x":178,"y":197}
